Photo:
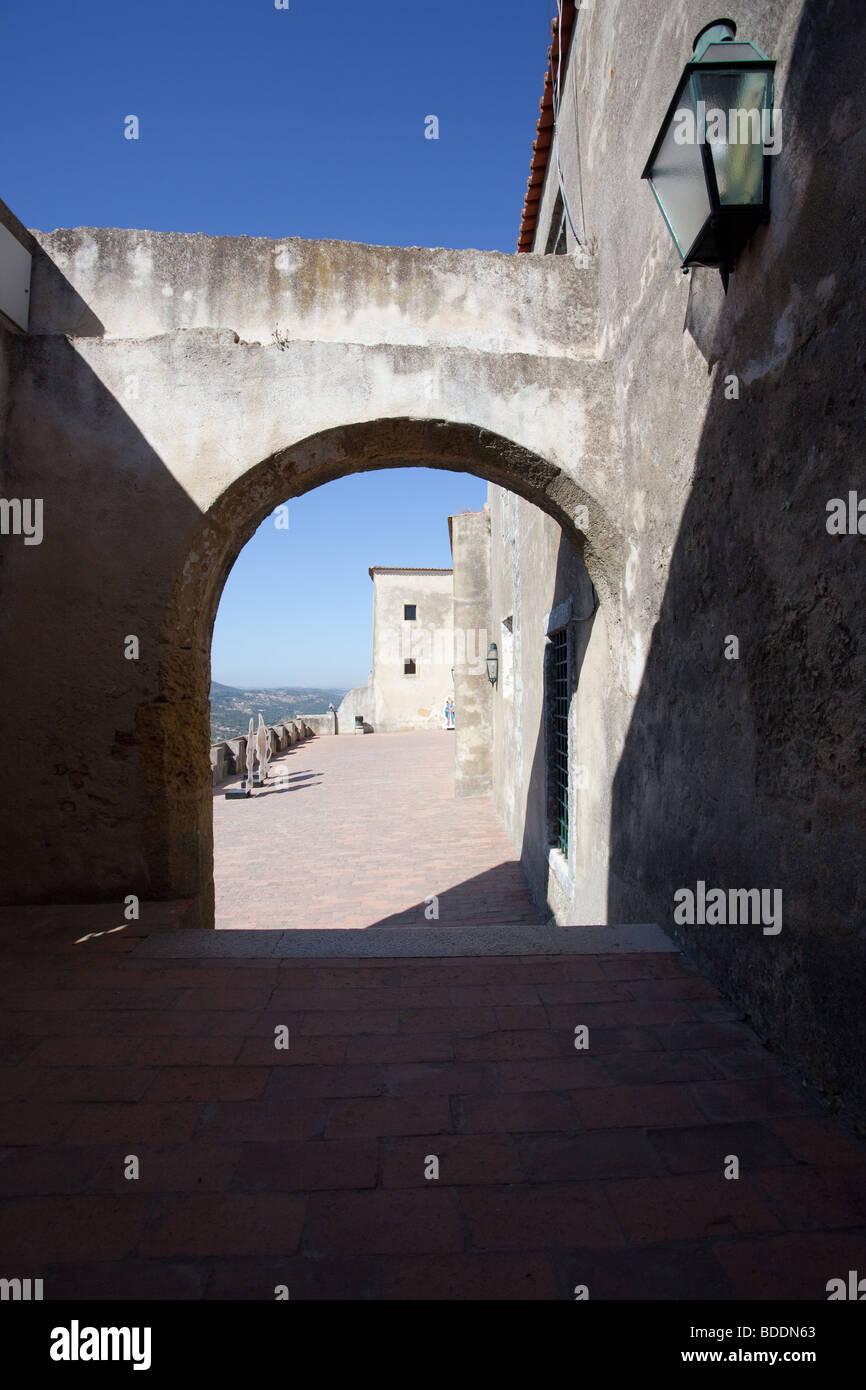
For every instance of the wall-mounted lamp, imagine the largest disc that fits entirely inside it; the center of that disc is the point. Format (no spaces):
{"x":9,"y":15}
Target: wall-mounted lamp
{"x":493,"y":663}
{"x":710,"y":165}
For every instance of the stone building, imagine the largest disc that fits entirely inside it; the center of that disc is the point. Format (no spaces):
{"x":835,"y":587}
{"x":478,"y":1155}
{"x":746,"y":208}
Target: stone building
{"x":413,"y":653}
{"x":679,"y":702}
{"x":711,"y":726}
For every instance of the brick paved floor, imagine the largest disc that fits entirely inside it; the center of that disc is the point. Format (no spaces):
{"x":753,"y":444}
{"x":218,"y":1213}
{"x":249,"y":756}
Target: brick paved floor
{"x":364,"y":831}
{"x":306,"y":1167}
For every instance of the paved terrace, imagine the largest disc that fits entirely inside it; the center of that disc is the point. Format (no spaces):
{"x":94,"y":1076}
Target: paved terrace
{"x":362,"y":831}
{"x":306,"y":1167}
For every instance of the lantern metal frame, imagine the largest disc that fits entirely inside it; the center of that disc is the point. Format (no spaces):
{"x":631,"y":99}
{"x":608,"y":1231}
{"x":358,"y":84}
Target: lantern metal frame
{"x":728,"y":227}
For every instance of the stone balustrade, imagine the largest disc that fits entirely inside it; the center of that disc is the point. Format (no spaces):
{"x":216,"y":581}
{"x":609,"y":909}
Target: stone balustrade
{"x":228,"y":758}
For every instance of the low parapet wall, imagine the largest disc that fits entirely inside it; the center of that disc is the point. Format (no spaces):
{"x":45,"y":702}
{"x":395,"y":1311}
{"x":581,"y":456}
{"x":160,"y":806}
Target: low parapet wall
{"x":229,"y":757}
{"x":321,"y":724}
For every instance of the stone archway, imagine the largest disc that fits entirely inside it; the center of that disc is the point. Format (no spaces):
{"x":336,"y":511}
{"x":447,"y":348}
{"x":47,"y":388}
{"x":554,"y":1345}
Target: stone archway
{"x":209,"y":379}
{"x":174,"y":732}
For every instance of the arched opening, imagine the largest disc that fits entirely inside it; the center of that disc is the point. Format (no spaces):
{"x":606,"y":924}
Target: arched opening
{"x":178,"y":831}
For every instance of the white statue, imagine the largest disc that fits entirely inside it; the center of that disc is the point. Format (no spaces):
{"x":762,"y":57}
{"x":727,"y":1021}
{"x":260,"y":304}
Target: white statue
{"x":263,"y":749}
{"x":251,"y":758}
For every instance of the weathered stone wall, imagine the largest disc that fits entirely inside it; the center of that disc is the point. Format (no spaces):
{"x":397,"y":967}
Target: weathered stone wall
{"x":473,"y":730}
{"x":747,"y":772}
{"x":98,"y":282}
{"x":160,"y":447}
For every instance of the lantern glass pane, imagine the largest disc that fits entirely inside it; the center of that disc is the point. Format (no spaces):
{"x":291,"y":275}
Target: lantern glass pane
{"x":677,"y":175}
{"x":738,"y":116}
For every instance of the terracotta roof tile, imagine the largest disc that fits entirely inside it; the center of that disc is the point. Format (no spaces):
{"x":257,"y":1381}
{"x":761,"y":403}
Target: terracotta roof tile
{"x":543,"y":141}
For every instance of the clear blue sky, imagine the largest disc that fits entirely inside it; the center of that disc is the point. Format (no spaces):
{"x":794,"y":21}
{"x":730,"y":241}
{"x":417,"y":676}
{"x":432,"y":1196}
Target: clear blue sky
{"x":301,"y":122}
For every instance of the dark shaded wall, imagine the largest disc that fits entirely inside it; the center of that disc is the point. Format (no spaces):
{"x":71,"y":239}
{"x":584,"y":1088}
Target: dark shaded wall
{"x":751,"y":772}
{"x":8,"y":333}
{"x":554,"y":880}
{"x":115,"y":523}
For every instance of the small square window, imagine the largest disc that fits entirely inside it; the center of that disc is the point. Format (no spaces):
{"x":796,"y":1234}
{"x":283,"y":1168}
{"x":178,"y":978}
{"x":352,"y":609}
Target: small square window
{"x":409,"y":612}
{"x":409,"y":668}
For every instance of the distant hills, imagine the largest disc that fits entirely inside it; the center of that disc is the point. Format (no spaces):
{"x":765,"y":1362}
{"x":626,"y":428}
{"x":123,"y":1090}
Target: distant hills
{"x":231,"y":709}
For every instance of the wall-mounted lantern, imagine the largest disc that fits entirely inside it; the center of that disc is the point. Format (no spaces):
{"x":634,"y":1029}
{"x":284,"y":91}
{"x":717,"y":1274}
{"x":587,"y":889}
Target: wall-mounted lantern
{"x":710,"y":165}
{"x":493,"y":663}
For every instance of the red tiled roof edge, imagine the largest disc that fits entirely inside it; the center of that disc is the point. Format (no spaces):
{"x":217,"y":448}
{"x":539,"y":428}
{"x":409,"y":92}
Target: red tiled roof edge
{"x":543,"y":142}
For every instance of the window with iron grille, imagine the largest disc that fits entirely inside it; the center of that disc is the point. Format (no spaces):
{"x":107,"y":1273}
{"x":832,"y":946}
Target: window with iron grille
{"x":558,"y":746}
